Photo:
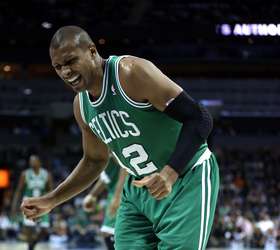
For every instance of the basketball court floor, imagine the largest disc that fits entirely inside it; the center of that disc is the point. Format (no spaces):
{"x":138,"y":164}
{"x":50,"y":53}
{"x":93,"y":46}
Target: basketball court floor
{"x":46,"y":246}
{"x":41,"y":246}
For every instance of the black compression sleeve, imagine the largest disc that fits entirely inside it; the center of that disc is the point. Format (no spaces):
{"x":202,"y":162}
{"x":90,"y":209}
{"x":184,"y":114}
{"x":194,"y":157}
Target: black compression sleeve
{"x":197,"y":125}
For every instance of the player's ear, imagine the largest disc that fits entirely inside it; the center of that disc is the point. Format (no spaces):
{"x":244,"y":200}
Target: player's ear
{"x":92,"y":49}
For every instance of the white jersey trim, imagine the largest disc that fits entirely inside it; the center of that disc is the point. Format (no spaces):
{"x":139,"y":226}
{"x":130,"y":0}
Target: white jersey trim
{"x":122,"y":165}
{"x":208,"y":203}
{"x":82,"y":107}
{"x":125,"y":96}
{"x":204,"y":157}
{"x":205,"y":204}
{"x":107,"y":229}
{"x":202,"y":208}
{"x":104,"y":87}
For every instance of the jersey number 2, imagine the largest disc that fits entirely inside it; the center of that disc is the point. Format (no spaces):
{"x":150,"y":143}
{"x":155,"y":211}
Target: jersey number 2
{"x":142,"y":157}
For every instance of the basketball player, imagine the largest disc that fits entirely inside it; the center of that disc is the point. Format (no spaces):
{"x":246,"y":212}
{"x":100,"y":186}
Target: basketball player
{"x":112,"y":179}
{"x":158,"y":134}
{"x":33,"y":182}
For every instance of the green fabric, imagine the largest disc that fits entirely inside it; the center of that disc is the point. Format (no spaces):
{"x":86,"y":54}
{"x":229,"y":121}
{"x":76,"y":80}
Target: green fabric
{"x":81,"y":218}
{"x":109,"y":220}
{"x":173,"y":223}
{"x":35,"y":186}
{"x":43,"y":221}
{"x":141,"y":137}
{"x":112,"y":171}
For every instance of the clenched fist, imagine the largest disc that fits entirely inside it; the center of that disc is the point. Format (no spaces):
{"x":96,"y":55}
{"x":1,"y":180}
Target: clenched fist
{"x":89,"y":203}
{"x":33,"y":208}
{"x":159,"y":184}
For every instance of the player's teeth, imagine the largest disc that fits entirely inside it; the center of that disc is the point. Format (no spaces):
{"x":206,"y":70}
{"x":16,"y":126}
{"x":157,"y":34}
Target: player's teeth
{"x":73,"y":79}
{"x":75,"y":83}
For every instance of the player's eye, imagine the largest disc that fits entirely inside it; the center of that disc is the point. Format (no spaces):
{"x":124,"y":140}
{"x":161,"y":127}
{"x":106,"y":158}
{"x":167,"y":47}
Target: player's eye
{"x":71,"y":61}
{"x":57,"y":67}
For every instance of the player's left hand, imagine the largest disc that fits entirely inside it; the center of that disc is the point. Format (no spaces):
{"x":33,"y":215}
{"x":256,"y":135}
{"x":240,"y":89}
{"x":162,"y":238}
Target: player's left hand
{"x":159,"y":184}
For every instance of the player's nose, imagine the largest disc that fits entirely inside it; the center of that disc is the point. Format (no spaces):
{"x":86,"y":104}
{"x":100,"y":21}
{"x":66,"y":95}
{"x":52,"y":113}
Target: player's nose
{"x":66,"y":72}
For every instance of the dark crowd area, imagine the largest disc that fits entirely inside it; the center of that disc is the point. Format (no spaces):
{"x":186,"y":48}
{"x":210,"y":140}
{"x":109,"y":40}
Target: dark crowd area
{"x":248,"y":207}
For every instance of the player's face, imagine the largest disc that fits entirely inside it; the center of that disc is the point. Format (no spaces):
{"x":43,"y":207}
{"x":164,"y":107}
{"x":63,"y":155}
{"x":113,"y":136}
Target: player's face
{"x":34,"y":162}
{"x":75,"y":66}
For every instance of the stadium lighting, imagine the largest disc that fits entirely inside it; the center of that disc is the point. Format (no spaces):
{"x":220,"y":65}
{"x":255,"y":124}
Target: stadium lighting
{"x":46,"y":25}
{"x":27,"y":91}
{"x":7,"y":68}
{"x":102,"y":41}
{"x":249,"y":29}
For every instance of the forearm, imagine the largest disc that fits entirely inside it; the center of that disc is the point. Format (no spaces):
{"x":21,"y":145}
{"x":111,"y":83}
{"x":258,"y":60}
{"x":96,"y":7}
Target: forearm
{"x":81,"y":178}
{"x":197,"y":125}
{"x":185,"y":148}
{"x":98,"y":188}
{"x":120,"y":183}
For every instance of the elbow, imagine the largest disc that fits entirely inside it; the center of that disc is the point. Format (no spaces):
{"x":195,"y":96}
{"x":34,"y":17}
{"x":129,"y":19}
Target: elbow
{"x":205,"y":122}
{"x":95,"y":162}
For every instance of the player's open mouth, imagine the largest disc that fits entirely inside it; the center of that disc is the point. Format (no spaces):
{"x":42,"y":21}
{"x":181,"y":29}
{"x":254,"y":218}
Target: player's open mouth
{"x":74,"y":80}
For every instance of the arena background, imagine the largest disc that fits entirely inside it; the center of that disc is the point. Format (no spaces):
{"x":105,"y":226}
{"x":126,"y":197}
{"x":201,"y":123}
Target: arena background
{"x":225,"y":54}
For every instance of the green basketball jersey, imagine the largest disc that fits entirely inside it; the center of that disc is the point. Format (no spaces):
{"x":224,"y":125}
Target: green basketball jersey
{"x":141,"y":138}
{"x":35,"y":185}
{"x":111,"y":175}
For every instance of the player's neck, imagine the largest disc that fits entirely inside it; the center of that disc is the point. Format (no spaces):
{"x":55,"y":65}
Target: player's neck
{"x":96,"y":89}
{"x":36,"y":171}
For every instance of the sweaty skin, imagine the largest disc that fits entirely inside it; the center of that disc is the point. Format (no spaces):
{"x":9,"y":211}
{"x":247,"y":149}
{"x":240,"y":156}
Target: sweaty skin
{"x":77,"y":62}
{"x":155,"y":87}
{"x":93,"y":162}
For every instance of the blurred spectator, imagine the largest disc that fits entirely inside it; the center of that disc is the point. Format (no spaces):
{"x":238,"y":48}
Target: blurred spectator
{"x":265,"y":223}
{"x":237,"y":239}
{"x":82,"y":230}
{"x":59,"y":236}
{"x":247,"y":228}
{"x":270,"y":240}
{"x":257,"y":239}
{"x":5,"y":225}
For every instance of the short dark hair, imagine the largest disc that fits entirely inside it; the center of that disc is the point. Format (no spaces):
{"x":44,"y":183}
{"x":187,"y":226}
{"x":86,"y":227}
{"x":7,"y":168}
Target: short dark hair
{"x":70,"y":33}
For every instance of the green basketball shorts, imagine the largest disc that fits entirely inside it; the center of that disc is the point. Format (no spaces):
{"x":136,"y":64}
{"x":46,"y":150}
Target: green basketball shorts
{"x":181,"y":221}
{"x":108,"y":225}
{"x":43,"y":221}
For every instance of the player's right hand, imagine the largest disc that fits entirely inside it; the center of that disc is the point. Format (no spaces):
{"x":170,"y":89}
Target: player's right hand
{"x":89,"y":203}
{"x":159,"y":184}
{"x":33,"y":208}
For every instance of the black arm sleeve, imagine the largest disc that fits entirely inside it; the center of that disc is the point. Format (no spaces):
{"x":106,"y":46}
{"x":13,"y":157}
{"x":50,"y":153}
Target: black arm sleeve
{"x":197,"y":125}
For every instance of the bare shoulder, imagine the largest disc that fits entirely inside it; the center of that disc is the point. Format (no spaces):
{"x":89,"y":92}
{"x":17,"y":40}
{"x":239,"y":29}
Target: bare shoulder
{"x":134,"y":73}
{"x":77,"y":113}
{"x":76,"y":109}
{"x":76,"y":104}
{"x":150,"y":83}
{"x":131,"y":65}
